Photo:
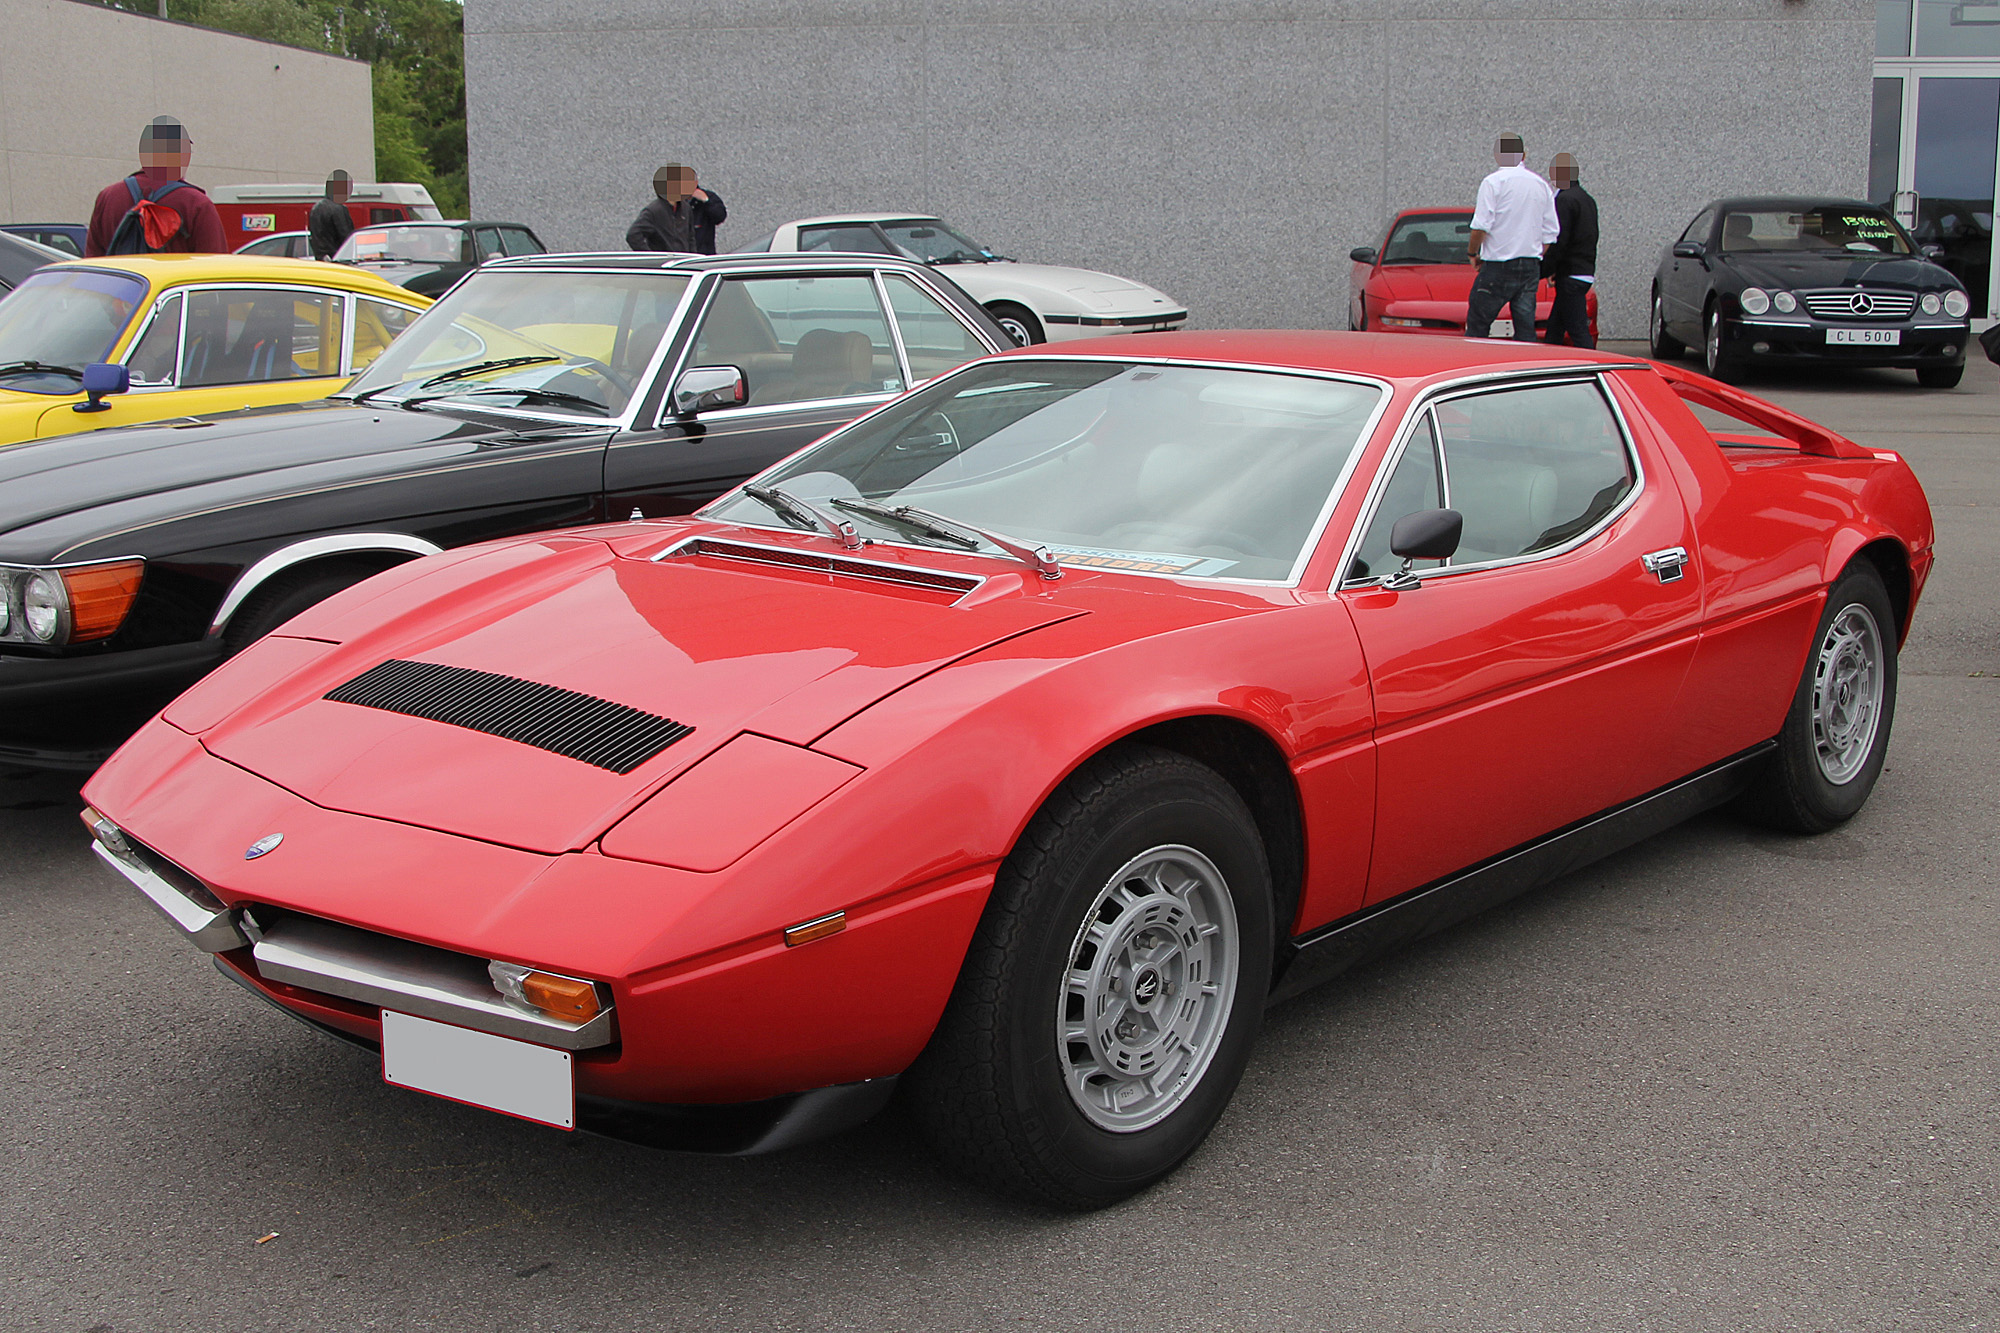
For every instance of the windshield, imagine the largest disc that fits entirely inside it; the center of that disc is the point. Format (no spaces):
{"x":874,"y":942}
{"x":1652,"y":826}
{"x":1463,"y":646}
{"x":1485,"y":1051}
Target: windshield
{"x":1156,"y":469}
{"x":552,"y":340}
{"x":64,"y":317}
{"x":934,"y":243}
{"x":1432,"y":238}
{"x":1831,"y":228}
{"x":403,"y":245}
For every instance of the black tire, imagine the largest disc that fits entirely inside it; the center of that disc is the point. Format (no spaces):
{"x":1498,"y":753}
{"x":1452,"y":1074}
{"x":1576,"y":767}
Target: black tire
{"x":1666,"y":347}
{"x":1940,"y":377}
{"x":991,"y":1091}
{"x":1719,"y":364}
{"x":1018,"y":320}
{"x":1358,"y":325}
{"x":1801,"y":789}
{"x":286,"y":595}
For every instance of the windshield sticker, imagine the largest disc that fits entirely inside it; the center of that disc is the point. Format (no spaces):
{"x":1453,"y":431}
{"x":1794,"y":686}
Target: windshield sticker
{"x":1141,"y":562}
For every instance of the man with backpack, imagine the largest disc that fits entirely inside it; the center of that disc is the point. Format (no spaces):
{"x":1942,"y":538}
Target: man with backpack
{"x":154,"y":211}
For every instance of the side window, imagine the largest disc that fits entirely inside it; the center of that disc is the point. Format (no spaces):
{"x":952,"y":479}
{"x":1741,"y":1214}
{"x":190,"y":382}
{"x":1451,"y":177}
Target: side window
{"x":935,"y":339}
{"x":378,"y":216}
{"x":1413,"y":487}
{"x":376,"y":325}
{"x":519,"y":242}
{"x":1698,"y":229}
{"x":1531,"y":468}
{"x":847,"y":239}
{"x":246,"y":337}
{"x":798,"y":339}
{"x":488,"y":241}
{"x":156,"y":356}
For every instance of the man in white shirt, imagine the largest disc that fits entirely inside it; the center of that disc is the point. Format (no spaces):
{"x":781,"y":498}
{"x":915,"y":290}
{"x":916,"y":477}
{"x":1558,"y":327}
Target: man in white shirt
{"x":1513,"y":221}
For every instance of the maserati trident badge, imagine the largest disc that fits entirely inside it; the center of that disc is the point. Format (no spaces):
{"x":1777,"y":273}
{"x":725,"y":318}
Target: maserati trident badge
{"x":263,"y":845}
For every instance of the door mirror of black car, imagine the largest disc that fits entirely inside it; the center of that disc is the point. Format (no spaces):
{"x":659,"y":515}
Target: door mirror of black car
{"x":1688,"y":250}
{"x":99,"y":379}
{"x":1362,"y":254}
{"x":1931,"y":251}
{"x":705,"y":388}
{"x":1428,"y":534}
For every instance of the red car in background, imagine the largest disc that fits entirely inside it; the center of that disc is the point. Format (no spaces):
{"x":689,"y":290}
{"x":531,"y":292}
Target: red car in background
{"x":1420,"y":277}
{"x":1022,"y":740}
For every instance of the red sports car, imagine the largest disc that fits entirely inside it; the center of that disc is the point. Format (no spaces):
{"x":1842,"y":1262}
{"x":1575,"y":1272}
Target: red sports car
{"x":1020,"y":742}
{"x":1419,"y":279}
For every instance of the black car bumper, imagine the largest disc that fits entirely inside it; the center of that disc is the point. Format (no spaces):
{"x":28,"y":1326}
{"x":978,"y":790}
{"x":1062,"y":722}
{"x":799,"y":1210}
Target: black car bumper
{"x":71,"y":712}
{"x":1918,"y":343}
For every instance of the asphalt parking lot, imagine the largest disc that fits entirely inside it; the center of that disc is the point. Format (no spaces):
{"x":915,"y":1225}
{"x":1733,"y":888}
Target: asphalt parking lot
{"x":1726,"y":1080}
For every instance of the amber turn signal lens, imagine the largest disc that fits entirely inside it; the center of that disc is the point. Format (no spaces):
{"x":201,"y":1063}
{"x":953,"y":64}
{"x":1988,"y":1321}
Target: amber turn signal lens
{"x":816,"y":929}
{"x":561,"y":997}
{"x":99,"y":597}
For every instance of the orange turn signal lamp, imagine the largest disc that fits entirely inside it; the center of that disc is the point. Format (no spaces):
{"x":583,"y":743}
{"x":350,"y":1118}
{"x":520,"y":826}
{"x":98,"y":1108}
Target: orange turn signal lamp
{"x":816,"y":929}
{"x":571,"y":999}
{"x":99,"y":597}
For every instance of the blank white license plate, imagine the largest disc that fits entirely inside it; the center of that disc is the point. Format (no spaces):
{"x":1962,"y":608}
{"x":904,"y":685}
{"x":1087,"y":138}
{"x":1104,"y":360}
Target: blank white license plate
{"x":1502,"y":328}
{"x":513,"y":1077}
{"x":1866,"y":337}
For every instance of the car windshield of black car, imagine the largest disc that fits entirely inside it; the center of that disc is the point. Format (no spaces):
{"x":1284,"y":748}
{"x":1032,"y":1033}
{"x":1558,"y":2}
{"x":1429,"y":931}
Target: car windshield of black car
{"x":1434,"y":238}
{"x":1828,"y":229}
{"x":546,"y":331}
{"x":1191,"y":471}
{"x":64,"y":317}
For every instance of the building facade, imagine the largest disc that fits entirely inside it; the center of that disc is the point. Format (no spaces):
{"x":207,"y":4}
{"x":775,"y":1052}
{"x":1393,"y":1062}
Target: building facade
{"x":1229,"y":152}
{"x":78,"y":81}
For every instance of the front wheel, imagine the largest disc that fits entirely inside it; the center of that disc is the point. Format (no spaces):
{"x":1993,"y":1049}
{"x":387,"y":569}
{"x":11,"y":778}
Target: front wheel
{"x":1666,"y":347}
{"x":1836,"y":735}
{"x":1019,"y":322}
{"x":1111,"y":994}
{"x":1940,"y":377}
{"x":1719,"y":364}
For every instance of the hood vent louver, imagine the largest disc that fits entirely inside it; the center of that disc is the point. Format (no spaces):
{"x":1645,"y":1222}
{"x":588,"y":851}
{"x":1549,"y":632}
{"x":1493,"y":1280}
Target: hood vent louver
{"x":578,"y":726}
{"x":877,"y":571}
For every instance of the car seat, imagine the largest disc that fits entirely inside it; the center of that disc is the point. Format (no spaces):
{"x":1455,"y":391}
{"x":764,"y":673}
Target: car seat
{"x":826,"y":364}
{"x":1736,"y":231}
{"x":1507,"y":505}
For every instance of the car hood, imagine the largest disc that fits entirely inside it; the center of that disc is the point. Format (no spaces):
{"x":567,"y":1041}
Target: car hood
{"x":1079,"y":289}
{"x":1424,"y":282}
{"x":720,"y":646}
{"x":1836,"y":269}
{"x":59,"y":496}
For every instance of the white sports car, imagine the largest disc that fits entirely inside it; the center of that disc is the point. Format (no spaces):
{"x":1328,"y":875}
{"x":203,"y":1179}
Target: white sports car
{"x":1033,"y":302}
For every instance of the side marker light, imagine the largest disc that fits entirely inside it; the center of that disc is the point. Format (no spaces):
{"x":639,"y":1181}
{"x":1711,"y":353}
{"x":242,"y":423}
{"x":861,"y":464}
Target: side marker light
{"x":816,"y":929}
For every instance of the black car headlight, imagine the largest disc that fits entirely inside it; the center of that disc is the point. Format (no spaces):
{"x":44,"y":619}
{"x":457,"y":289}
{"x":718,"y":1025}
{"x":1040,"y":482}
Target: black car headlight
{"x":1754,"y":300}
{"x":1784,"y":302}
{"x":1957,"y":304}
{"x":60,"y":604}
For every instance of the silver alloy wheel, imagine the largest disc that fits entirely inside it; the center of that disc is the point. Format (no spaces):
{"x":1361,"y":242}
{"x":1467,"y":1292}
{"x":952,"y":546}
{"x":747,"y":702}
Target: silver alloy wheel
{"x":1712,"y":345}
{"x":1148,"y":990}
{"x":1015,"y":329}
{"x":1659,"y":321}
{"x":1848,"y":681}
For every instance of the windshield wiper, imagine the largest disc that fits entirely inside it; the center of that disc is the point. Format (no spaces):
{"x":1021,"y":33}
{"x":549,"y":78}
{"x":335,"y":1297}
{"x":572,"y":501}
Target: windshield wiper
{"x":548,"y":395}
{"x":481,"y":367}
{"x":23,"y":367}
{"x":800,"y":514}
{"x":963,"y":535}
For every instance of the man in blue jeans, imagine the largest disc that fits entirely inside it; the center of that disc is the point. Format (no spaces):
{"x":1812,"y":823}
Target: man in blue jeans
{"x":1513,"y":221}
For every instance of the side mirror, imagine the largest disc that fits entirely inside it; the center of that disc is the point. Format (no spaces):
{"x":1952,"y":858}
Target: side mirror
{"x":705,"y":388}
{"x":1362,"y":254}
{"x":1931,"y":252}
{"x":1429,"y":534}
{"x":1689,"y":250}
{"x":99,"y":379}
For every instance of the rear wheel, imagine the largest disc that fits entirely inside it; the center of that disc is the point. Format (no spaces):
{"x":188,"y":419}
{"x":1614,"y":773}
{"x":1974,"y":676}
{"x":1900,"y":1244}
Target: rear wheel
{"x":1112,"y":991}
{"x":1019,"y":322}
{"x":1940,"y":377}
{"x":1666,"y":347}
{"x":1836,"y":735}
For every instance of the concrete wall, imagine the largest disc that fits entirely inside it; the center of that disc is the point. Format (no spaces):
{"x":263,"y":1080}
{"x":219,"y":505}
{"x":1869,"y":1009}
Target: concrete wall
{"x":78,"y":81}
{"x":1228,"y":151}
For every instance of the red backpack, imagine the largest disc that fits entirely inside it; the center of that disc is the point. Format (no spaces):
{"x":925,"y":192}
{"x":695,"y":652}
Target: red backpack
{"x":149,"y":226}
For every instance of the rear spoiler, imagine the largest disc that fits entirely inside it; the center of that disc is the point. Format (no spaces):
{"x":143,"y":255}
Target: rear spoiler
{"x":1810,"y":437}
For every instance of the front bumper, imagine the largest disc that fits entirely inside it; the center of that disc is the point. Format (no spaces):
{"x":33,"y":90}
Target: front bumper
{"x":1772,"y":340}
{"x":71,"y":712}
{"x":1062,"y":328}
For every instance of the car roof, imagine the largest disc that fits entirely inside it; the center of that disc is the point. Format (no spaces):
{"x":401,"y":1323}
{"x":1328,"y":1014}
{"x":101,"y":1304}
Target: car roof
{"x":166,"y":270}
{"x":679,"y":263}
{"x":1395,"y":357}
{"x":1452,"y":209}
{"x":911,"y":216}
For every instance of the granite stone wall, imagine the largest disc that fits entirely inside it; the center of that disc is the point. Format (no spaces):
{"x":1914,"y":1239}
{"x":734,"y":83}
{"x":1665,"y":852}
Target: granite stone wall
{"x":1229,"y":152}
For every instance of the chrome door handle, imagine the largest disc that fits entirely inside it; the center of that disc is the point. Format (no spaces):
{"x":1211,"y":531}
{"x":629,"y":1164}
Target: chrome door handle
{"x":1668,"y":565}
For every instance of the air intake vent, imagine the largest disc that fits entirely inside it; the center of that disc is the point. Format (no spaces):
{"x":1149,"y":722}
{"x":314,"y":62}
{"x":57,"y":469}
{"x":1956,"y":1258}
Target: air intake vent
{"x":579,"y":726}
{"x":879,"y":571}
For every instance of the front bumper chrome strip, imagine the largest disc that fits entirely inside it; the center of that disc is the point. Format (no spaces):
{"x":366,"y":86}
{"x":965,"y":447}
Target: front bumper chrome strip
{"x":195,"y":912}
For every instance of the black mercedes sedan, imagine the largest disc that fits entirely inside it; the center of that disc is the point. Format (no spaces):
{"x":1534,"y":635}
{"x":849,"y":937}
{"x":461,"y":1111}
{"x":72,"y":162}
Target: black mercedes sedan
{"x":1777,"y":281}
{"x":428,"y":257}
{"x":539,"y":393}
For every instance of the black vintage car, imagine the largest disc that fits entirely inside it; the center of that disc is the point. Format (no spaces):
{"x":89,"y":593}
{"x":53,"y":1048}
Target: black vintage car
{"x":1778,"y":281}
{"x":428,"y":257}
{"x":539,"y":393}
{"x":20,"y":256}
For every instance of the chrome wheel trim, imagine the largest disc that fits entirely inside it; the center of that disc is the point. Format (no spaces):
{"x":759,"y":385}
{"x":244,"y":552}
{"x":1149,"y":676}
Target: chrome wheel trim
{"x":1848,"y":686}
{"x":1147,"y":989}
{"x":1015,"y":329}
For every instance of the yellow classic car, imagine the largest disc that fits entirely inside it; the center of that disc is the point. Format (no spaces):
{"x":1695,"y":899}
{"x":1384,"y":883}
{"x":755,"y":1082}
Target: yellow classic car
{"x":191,"y":335}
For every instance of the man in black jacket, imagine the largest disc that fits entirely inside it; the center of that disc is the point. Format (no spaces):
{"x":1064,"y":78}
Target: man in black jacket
{"x":329,"y":223}
{"x":1571,"y":263}
{"x":681,"y":217}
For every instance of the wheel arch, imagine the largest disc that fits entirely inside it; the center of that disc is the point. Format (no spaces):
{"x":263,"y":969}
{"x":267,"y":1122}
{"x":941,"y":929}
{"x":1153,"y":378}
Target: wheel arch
{"x":397,"y":546}
{"x":1892,"y":561}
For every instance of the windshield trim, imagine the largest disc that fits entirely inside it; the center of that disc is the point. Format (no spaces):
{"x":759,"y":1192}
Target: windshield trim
{"x":1307,"y":549}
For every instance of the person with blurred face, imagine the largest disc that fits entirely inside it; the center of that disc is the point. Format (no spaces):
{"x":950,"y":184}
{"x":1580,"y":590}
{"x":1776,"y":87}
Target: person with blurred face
{"x":173,"y":216}
{"x":330,"y":224}
{"x":1513,"y":222}
{"x":1571,"y":263}
{"x":680,"y":218}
